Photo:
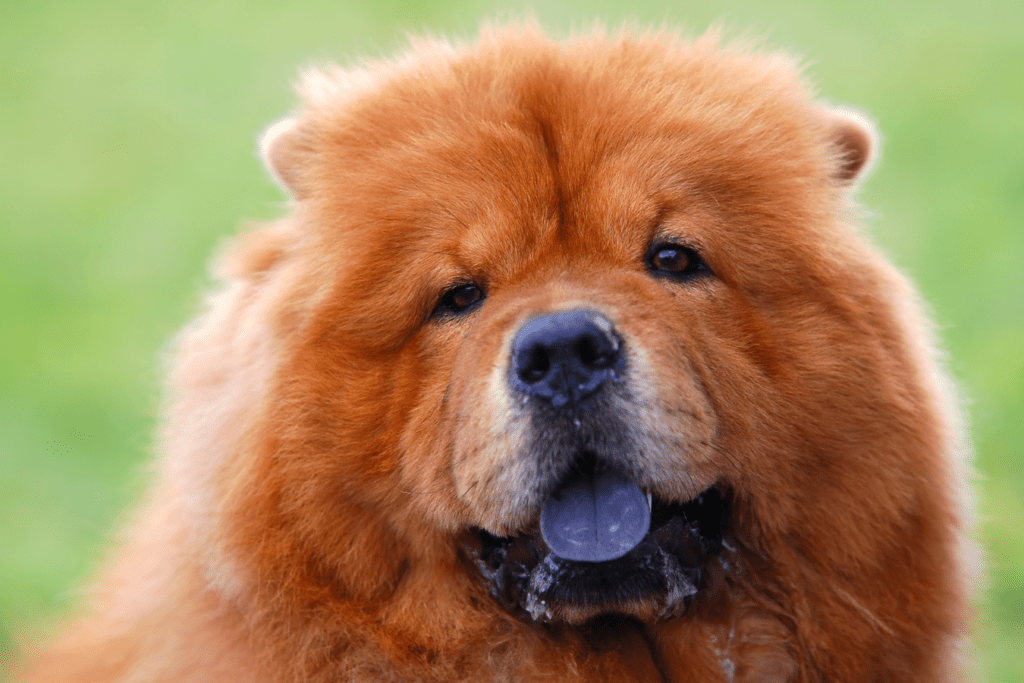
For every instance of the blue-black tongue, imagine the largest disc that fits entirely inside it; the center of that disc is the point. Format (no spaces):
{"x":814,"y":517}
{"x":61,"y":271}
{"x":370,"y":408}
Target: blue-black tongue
{"x":595,"y":517}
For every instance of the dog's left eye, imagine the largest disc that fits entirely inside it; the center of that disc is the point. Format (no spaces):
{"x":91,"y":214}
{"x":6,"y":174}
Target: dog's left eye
{"x":459,"y":298}
{"x":674,"y":260}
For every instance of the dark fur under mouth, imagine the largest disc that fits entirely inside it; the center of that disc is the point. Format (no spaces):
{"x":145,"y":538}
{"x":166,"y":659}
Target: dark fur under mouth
{"x":658,"y":578}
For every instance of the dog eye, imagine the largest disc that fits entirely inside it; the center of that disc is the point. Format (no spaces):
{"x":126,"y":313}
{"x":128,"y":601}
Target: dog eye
{"x":675,"y":260}
{"x":459,"y":298}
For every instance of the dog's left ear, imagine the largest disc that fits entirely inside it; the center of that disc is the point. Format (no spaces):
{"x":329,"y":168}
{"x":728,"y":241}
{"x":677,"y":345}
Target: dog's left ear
{"x":854,"y":140}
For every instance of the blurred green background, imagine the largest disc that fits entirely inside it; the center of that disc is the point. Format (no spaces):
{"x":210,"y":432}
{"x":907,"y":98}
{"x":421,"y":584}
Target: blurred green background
{"x":127,"y":150}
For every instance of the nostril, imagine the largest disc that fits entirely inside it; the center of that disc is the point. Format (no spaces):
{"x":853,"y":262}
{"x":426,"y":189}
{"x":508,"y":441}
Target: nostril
{"x":586,"y":351}
{"x":534,"y":364}
{"x":593,"y":354}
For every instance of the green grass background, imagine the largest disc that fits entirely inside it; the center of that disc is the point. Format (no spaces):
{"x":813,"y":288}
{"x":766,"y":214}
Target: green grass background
{"x":127,"y":134}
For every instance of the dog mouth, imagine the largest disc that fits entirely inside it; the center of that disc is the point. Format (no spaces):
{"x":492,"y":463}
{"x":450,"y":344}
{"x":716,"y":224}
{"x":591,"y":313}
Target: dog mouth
{"x":604,"y":546}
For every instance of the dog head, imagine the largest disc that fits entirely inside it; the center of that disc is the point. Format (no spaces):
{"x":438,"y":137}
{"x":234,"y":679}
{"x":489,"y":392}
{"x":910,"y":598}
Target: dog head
{"x":587,"y":322}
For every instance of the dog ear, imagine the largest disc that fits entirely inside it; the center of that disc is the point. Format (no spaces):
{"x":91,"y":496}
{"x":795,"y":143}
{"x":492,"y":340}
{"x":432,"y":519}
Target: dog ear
{"x":855,"y":141}
{"x":285,"y":147}
{"x":289,"y":145}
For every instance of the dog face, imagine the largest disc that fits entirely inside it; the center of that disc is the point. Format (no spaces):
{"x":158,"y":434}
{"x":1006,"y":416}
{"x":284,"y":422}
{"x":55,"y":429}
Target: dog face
{"x":546,"y":283}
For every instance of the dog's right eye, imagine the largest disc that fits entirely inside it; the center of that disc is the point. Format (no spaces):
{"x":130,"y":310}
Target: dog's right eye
{"x":460,"y":298}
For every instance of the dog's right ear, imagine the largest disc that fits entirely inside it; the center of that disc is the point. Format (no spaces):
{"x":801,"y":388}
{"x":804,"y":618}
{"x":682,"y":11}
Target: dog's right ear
{"x":285,"y":148}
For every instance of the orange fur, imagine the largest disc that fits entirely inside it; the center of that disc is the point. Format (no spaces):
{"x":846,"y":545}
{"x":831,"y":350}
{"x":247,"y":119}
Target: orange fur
{"x":328,"y":441}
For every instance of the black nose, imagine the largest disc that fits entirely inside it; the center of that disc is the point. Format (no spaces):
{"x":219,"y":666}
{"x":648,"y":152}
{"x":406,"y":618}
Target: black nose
{"x":565,"y":356}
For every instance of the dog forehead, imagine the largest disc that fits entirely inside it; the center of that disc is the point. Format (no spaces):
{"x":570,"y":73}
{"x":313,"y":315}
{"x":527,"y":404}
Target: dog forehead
{"x":575,"y":102}
{"x":497,"y":149}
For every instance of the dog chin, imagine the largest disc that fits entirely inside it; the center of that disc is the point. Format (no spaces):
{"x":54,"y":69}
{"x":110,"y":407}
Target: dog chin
{"x":656,"y":580}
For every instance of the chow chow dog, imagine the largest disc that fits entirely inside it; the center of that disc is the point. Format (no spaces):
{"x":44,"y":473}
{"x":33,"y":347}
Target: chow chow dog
{"x":568,"y":363}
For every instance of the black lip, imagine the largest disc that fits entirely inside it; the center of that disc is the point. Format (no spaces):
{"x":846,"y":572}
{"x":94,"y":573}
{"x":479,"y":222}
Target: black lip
{"x":667,"y":567}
